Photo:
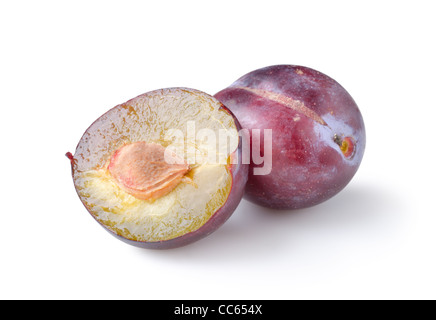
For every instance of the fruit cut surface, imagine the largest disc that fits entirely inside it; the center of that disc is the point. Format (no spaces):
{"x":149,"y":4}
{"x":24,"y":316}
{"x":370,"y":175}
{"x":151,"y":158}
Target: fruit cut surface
{"x":122,"y":177}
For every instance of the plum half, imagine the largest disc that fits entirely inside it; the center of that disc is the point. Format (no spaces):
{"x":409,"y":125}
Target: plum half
{"x":309,"y":132}
{"x":161,"y":170}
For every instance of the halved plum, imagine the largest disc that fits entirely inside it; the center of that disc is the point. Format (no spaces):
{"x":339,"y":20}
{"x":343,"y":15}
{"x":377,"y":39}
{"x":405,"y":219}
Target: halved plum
{"x":163,"y":169}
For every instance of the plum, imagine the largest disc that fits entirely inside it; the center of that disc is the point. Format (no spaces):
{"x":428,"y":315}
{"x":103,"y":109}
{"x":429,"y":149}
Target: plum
{"x":154,"y":172}
{"x":307,"y":134}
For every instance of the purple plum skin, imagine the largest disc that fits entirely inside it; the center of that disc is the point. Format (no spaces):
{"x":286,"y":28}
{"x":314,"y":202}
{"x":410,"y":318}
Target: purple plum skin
{"x":307,"y":112}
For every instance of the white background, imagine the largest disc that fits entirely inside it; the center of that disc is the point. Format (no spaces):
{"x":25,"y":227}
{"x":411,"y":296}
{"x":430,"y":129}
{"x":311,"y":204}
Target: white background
{"x":63,"y":64}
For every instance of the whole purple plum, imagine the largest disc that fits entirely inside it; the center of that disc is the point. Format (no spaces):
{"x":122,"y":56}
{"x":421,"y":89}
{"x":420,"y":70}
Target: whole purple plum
{"x":316,"y":139}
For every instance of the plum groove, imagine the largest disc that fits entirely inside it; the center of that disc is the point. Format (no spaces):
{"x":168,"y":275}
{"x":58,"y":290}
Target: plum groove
{"x":347,"y":146}
{"x":286,"y":101}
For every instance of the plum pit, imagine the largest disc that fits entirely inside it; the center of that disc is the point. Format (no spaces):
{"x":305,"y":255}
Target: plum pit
{"x":141,"y":170}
